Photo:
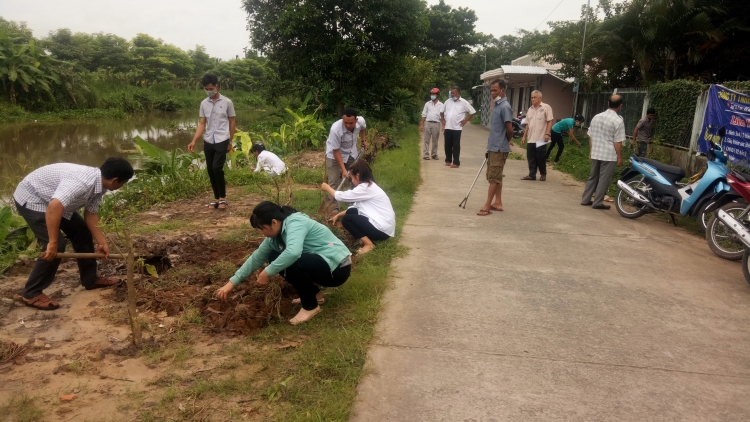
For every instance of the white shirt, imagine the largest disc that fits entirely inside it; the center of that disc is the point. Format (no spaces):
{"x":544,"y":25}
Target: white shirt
{"x":455,"y":113}
{"x":605,"y":129}
{"x":270,"y":162}
{"x":75,"y":186}
{"x":431,"y":112}
{"x":341,"y":139}
{"x":372,"y":202}
{"x":217,"y":116}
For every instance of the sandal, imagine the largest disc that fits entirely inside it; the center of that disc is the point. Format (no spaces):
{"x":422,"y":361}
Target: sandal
{"x":213,"y":205}
{"x":103,"y":283}
{"x":483,"y":213}
{"x":527,"y":178}
{"x":223,"y":204}
{"x":543,"y":178}
{"x":41,"y":302}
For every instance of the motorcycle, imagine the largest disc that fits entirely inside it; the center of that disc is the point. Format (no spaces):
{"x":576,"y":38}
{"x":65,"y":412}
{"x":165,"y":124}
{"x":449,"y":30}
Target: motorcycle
{"x":518,"y":127}
{"x":739,"y":223}
{"x":651,"y":186}
{"x":722,"y":240}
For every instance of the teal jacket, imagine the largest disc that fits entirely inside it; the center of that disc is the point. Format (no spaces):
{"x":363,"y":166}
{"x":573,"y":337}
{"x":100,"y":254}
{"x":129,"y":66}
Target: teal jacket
{"x":300,"y":234}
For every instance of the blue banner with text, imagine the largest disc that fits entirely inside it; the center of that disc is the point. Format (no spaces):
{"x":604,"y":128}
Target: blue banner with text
{"x":730,"y":110}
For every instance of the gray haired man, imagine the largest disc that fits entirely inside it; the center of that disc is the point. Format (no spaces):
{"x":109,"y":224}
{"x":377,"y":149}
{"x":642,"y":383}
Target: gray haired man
{"x":606,"y":135}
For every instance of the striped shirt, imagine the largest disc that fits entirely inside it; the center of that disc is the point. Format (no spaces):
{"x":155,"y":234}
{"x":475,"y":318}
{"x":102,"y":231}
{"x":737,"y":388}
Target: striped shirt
{"x":75,"y":186}
{"x":606,"y":128}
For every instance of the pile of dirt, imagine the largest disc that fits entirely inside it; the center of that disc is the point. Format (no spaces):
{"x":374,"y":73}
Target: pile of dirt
{"x":176,"y":291}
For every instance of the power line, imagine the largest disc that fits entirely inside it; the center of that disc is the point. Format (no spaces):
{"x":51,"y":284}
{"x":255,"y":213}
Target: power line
{"x":550,"y":14}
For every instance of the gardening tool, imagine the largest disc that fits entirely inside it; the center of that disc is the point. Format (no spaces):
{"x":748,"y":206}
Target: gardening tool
{"x":325,"y":208}
{"x":463,"y":203}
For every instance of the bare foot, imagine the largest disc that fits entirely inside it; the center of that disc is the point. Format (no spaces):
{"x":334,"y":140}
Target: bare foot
{"x":304,"y":316}
{"x":496,"y":207}
{"x":364,"y":249}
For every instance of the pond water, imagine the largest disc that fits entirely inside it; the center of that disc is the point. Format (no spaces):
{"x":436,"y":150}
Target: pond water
{"x":27,"y":146}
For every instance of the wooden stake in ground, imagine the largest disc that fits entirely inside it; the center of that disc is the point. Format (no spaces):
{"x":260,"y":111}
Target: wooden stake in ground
{"x":130,"y":263}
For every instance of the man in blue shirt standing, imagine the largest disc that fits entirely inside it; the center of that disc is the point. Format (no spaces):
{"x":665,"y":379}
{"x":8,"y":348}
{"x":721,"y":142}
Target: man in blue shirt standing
{"x":498,"y":147}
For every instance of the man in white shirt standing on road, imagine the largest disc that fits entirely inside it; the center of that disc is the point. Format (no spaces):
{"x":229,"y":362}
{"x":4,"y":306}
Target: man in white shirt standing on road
{"x":537,"y":133}
{"x":430,"y":124}
{"x":341,"y":148}
{"x":455,"y":114}
{"x":606,"y":135}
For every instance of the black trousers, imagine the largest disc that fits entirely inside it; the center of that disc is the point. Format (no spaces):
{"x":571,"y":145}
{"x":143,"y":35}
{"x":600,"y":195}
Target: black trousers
{"x":43,"y":273}
{"x":452,"y":140}
{"x":309,"y":272}
{"x":216,"y":157}
{"x":642,"y":148}
{"x":537,"y":158}
{"x":557,"y":139}
{"x":359,"y":226}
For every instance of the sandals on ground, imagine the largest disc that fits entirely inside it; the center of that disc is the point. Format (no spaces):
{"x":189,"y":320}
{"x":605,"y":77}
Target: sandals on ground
{"x":103,"y":283}
{"x":41,"y":302}
{"x":213,"y":205}
{"x":223,"y":204}
{"x":484,"y":213}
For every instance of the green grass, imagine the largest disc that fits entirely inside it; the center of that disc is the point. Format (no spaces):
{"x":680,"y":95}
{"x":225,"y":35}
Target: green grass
{"x":21,"y":409}
{"x":164,"y":226}
{"x":317,"y":380}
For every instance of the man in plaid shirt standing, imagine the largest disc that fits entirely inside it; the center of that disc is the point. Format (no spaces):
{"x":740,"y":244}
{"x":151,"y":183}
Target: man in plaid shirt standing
{"x":48,"y":199}
{"x":606,"y":135}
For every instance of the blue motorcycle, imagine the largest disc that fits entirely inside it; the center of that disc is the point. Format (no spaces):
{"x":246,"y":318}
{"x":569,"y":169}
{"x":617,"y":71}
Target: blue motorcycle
{"x":651,"y":186}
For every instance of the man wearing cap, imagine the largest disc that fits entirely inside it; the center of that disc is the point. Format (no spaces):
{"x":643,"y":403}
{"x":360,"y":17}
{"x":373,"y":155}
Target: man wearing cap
{"x":430,"y":124}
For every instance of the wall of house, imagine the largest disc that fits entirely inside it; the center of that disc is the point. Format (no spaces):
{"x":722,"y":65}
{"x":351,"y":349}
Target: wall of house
{"x":558,"y":96}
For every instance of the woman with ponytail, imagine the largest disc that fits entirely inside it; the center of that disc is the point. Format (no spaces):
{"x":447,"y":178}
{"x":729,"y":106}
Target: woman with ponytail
{"x":306,"y":253}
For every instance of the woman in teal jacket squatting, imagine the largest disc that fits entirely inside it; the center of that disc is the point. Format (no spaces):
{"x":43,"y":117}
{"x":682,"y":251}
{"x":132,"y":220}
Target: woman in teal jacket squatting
{"x":306,"y":253}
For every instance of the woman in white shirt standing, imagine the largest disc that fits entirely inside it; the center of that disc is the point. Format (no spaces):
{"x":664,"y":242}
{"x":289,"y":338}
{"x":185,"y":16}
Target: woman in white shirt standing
{"x":267,"y":160}
{"x":370,"y":218}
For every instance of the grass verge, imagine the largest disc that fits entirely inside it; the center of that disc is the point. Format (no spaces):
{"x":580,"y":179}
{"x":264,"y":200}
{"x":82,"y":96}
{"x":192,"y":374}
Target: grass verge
{"x":317,"y":380}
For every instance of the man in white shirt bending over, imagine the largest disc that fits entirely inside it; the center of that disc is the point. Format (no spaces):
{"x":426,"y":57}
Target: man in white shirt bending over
{"x":456,"y":112}
{"x":341,"y":148}
{"x":267,"y":161}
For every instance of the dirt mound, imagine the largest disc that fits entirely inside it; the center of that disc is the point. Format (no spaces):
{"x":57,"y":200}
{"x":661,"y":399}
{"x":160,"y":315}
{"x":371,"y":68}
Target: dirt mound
{"x":190,"y":269}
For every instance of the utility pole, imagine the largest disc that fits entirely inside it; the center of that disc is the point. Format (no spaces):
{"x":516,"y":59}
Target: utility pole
{"x":580,"y":64}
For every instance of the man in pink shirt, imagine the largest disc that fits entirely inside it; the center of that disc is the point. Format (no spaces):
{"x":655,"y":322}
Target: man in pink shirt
{"x":536,"y":135}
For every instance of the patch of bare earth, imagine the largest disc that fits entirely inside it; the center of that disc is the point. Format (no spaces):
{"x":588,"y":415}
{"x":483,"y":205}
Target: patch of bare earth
{"x":85,"y":349}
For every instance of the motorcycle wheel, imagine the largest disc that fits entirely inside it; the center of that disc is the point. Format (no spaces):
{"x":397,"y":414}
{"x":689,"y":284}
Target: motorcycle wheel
{"x":627,"y":206}
{"x":745,"y":264}
{"x":703,"y":217}
{"x":722,"y":240}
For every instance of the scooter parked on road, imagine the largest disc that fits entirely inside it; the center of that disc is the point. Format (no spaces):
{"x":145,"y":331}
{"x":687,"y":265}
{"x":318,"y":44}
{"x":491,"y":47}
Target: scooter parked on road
{"x":739,"y":223}
{"x":651,"y":186}
{"x":722,"y":239}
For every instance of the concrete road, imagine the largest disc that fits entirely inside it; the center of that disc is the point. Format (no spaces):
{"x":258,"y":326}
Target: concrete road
{"x":553,"y":311}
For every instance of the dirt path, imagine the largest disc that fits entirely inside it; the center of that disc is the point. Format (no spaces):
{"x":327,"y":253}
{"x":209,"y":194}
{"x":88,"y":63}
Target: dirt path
{"x":83,"y":349}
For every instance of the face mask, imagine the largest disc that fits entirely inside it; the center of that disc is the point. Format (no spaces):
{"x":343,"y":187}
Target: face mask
{"x":210,"y":93}
{"x":455,"y":98}
{"x":432,"y":97}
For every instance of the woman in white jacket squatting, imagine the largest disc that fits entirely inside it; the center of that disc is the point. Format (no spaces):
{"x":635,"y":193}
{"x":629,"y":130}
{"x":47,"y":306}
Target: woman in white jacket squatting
{"x":267,"y":161}
{"x":370,"y":218}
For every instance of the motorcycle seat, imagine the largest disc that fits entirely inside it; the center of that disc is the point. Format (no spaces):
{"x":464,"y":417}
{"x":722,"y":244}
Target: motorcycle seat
{"x":671,"y":173}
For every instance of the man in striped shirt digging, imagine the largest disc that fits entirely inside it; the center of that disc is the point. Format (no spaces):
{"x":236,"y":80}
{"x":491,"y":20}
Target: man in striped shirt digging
{"x":48,"y":199}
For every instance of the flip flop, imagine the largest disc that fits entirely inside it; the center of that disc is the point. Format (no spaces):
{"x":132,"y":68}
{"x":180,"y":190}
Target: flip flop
{"x":320,"y":301}
{"x":608,"y":198}
{"x":527,"y":178}
{"x":41,"y":302}
{"x":213,"y":205}
{"x":484,"y":213}
{"x":307,"y":316}
{"x":224,"y":203}
{"x":496,"y":209}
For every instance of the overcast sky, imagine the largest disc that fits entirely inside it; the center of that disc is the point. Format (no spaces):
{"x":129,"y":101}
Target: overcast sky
{"x":219,"y":25}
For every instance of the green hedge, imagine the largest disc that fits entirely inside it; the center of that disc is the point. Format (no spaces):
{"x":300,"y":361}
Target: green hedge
{"x":675,"y":108}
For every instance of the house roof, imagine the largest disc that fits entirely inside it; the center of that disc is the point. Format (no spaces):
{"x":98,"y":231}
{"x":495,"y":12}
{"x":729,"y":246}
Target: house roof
{"x":512,"y":70}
